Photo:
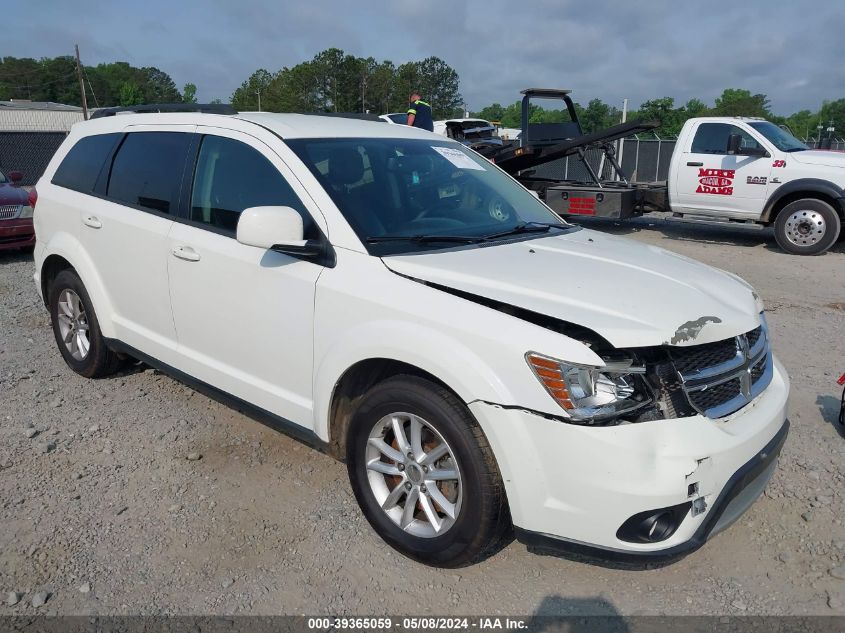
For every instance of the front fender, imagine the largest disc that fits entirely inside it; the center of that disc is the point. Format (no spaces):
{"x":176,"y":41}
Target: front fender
{"x":801,"y":185}
{"x":364,"y":311}
{"x":434,"y":352}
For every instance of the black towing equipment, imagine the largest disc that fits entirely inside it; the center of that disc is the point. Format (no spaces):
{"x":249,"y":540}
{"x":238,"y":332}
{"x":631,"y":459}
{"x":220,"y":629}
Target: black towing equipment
{"x":542,"y":143}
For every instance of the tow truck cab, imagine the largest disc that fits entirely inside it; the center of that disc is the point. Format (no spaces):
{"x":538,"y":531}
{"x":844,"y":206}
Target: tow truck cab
{"x":750,"y":169}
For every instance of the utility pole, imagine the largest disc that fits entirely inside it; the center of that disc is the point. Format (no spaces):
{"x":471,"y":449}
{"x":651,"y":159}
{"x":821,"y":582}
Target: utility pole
{"x":258,"y":92}
{"x":620,"y":144}
{"x":81,"y":85}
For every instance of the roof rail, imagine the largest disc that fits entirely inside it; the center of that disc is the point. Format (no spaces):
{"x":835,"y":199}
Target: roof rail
{"x":348,"y":115}
{"x":208,"y":108}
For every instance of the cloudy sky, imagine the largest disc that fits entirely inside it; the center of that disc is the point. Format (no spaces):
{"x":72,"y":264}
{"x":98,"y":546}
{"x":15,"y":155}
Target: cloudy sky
{"x":789,"y":50}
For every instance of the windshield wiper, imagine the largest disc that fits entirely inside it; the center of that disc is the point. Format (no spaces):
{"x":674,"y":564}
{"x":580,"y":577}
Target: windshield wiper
{"x":423,"y":239}
{"x":525,"y":227}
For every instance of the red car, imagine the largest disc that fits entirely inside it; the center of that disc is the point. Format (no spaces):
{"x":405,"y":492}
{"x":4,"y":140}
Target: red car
{"x":16,"y":206}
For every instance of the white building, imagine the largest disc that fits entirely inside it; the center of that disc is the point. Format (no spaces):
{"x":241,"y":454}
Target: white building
{"x":21,"y":115}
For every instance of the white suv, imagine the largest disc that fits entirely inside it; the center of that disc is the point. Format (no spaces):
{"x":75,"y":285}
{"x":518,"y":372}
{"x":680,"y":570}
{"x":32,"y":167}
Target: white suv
{"x":477,"y":371}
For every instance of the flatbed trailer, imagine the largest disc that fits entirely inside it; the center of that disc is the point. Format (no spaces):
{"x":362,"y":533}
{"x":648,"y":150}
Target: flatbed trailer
{"x":542,"y":143}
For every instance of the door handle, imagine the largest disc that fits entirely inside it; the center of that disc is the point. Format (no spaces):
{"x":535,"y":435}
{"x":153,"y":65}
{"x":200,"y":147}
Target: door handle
{"x":93,"y":221}
{"x":187,"y":253}
{"x":693,"y":164}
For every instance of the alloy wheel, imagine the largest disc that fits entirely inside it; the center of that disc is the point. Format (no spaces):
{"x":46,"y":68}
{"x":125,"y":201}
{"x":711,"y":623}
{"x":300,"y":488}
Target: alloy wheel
{"x":73,"y":324}
{"x":413,"y":474}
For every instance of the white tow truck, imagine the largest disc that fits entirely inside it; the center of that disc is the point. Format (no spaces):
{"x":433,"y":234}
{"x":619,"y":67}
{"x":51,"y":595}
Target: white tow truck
{"x":723,"y":168}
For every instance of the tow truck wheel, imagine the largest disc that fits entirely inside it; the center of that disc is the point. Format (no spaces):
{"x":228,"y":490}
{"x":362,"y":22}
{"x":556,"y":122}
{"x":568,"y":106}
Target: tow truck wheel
{"x":807,"y":227}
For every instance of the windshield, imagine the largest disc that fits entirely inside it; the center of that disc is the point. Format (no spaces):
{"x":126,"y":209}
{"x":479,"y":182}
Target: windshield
{"x":401,"y":118}
{"x":778,"y":137}
{"x":406,"y":195}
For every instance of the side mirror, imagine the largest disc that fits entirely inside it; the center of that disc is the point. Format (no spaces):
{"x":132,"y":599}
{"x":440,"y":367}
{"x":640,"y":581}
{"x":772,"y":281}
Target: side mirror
{"x":276,"y":228}
{"x":15,"y":176}
{"x":734,"y":143}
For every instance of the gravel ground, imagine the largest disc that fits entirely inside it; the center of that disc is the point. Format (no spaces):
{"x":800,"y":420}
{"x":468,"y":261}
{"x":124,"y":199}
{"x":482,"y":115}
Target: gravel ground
{"x":137,"y":495}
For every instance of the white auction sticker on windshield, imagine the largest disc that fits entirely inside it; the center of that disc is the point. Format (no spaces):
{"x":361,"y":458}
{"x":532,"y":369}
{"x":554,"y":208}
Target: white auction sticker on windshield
{"x":457,"y":157}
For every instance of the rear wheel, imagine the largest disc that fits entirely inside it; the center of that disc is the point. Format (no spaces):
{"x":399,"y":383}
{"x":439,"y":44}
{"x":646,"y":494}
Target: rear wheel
{"x":424,"y":474}
{"x":807,"y":227}
{"x":77,"y":330}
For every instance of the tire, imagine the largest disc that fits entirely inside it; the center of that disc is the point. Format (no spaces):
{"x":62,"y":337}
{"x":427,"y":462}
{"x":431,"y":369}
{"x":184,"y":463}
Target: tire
{"x":71,"y":322}
{"x":807,"y":227}
{"x":476,"y":496}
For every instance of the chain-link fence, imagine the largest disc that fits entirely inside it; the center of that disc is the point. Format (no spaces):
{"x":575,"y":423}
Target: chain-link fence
{"x":28,"y":152}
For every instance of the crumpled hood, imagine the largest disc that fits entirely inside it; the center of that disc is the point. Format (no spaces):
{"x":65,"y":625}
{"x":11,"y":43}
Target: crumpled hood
{"x":632,"y":294}
{"x":819,"y":157}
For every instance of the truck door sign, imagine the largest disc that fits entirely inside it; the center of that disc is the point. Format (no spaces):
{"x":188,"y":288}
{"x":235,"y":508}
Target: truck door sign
{"x":716,"y":181}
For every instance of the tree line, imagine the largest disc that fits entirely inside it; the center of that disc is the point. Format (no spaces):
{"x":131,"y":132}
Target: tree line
{"x":113,"y":84}
{"x":334,"y":81}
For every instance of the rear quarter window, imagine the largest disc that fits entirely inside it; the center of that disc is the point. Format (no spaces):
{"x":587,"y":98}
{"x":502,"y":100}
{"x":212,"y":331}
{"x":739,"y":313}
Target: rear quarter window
{"x":82,"y":164}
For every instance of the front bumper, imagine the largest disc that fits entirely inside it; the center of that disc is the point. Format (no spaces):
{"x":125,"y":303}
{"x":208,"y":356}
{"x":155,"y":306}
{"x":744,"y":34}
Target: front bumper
{"x":573,"y":486}
{"x":16,"y":233}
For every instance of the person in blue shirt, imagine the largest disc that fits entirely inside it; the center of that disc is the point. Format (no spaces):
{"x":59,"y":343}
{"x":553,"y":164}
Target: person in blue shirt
{"x":419,"y":114}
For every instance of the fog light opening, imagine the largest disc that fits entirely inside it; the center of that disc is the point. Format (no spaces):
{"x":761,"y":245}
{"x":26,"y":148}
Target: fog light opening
{"x":653,"y":526}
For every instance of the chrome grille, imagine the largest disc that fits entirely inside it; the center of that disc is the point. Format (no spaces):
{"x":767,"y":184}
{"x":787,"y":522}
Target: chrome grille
{"x":722,"y":377}
{"x":10,"y":211}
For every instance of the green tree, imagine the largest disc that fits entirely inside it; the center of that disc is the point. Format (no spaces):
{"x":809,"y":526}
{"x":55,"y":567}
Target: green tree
{"x":130,"y":94}
{"x":695,"y":108}
{"x":833,"y":112}
{"x":246,"y":96}
{"x":662,"y":110}
{"x":189,"y":93}
{"x":379,"y":86}
{"x":597,"y":116}
{"x":435,"y":80}
{"x":158,"y":87}
{"x":738,"y":102}
{"x":493,"y":112}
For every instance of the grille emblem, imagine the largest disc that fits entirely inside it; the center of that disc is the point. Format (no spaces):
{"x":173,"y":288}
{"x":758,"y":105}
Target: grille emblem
{"x":745,"y":376}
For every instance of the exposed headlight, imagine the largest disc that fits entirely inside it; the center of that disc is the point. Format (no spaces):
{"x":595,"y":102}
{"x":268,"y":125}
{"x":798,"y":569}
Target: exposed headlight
{"x":588,"y":393}
{"x":26,"y":212}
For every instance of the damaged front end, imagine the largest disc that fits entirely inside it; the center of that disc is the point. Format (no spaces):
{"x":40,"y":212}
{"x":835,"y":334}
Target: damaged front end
{"x":712,"y":379}
{"x":640,"y":384}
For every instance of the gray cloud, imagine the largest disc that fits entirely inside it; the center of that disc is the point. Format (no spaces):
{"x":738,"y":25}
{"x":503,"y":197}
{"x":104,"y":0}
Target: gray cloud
{"x":598,"y":48}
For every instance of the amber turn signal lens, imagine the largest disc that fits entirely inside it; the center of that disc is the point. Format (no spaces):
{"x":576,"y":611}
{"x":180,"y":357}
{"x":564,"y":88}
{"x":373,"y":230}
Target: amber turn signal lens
{"x":549,"y":373}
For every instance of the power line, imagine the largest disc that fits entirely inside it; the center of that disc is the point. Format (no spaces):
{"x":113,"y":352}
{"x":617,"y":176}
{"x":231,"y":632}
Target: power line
{"x":88,"y":79}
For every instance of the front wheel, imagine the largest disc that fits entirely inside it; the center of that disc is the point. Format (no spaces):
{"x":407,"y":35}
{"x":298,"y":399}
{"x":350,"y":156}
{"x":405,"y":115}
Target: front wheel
{"x":807,"y":227}
{"x":424,"y":474}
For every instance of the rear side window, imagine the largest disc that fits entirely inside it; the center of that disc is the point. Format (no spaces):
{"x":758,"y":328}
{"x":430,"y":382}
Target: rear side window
{"x":712,"y":138}
{"x":231,"y":176}
{"x":147,"y":170}
{"x":82,"y":165}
